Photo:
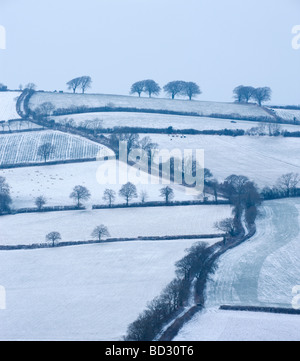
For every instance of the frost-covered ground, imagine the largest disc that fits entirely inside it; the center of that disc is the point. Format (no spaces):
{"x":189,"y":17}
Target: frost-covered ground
{"x":288,"y":114}
{"x":261,"y":272}
{"x":85,"y":292}
{"x":56,"y":182}
{"x":145,"y":120}
{"x":262,"y":159}
{"x":8,"y":102}
{"x":240,"y":326}
{"x":23,"y":147}
{"x":133,"y":222}
{"x":67,"y":100}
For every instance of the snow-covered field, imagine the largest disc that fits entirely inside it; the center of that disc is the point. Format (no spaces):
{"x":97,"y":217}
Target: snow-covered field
{"x":132,"y":222}
{"x":85,"y":292}
{"x":56,"y":182}
{"x":67,"y":100}
{"x":240,"y":326}
{"x":145,"y":120}
{"x":8,"y":102}
{"x":23,"y":147}
{"x":288,"y":114}
{"x":262,"y":159}
{"x":261,"y":272}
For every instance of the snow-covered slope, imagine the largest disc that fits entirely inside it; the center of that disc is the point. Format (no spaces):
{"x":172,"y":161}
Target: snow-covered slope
{"x":100,"y":100}
{"x":261,"y":272}
{"x":23,"y":147}
{"x":240,"y":326}
{"x":132,"y":222}
{"x":8,"y":101}
{"x":262,"y":159}
{"x":288,"y":114}
{"x":85,"y":292}
{"x":146,"y":120}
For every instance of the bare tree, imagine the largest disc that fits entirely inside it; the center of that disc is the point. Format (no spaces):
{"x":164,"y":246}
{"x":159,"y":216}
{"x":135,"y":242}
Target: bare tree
{"x":227,"y":226}
{"x":191,"y":89}
{"x":138,"y":88}
{"x":46,"y":108}
{"x":109,"y":196}
{"x":243,"y":94}
{"x":288,"y":183}
{"x":79,"y":194}
{"x":40,"y":202}
{"x":129,"y":192}
{"x":74,"y":84}
{"x":30,"y":86}
{"x":151,"y":87}
{"x":167,"y":193}
{"x":86,"y":82}
{"x":214,"y":184}
{"x":262,"y":95}
{"x":100,"y":231}
{"x":174,"y":87}
{"x":131,"y":139}
{"x":5,"y":199}
{"x":143,"y":196}
{"x":147,"y":145}
{"x":274,"y":129}
{"x":45,"y":151}
{"x":53,"y":237}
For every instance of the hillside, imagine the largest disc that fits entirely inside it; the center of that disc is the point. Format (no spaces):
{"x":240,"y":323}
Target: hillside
{"x":23,"y":147}
{"x":8,"y":102}
{"x":83,"y":292}
{"x":67,"y":101}
{"x":160,"y":121}
{"x":260,"y":272}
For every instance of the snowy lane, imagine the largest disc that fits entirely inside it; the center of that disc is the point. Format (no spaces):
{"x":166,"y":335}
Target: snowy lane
{"x":242,"y":277}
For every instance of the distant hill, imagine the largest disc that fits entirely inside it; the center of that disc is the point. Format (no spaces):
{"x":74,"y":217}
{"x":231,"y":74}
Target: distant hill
{"x":201,"y":108}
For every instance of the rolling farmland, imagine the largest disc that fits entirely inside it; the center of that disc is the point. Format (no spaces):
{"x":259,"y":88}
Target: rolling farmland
{"x":203,"y":108}
{"x":288,"y":114}
{"x":8,"y":102}
{"x":161,"y":121}
{"x":23,"y":147}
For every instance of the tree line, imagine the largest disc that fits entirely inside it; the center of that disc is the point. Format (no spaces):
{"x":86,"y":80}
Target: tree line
{"x":243,"y":94}
{"x":174,"y":296}
{"x":174,"y":88}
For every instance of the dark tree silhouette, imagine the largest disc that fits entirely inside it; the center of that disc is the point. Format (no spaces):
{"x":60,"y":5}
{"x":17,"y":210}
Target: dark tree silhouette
{"x":151,"y":87}
{"x":53,"y":237}
{"x":243,"y":94}
{"x":74,"y":84}
{"x":40,"y":202}
{"x":174,"y":87}
{"x":138,"y":88}
{"x":5,"y":199}
{"x":191,"y":89}
{"x":262,"y":95}
{"x":167,"y":193}
{"x":79,"y":194}
{"x":129,"y":192}
{"x":86,"y":82}
{"x":109,"y":196}
{"x":45,"y":151}
{"x":100,"y":231}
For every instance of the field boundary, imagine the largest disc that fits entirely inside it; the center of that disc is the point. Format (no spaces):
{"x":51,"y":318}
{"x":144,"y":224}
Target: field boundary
{"x":110,"y":240}
{"x":277,"y":310}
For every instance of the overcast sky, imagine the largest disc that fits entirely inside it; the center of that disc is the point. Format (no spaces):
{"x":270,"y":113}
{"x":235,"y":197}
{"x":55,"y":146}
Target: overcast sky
{"x":217,"y":43}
